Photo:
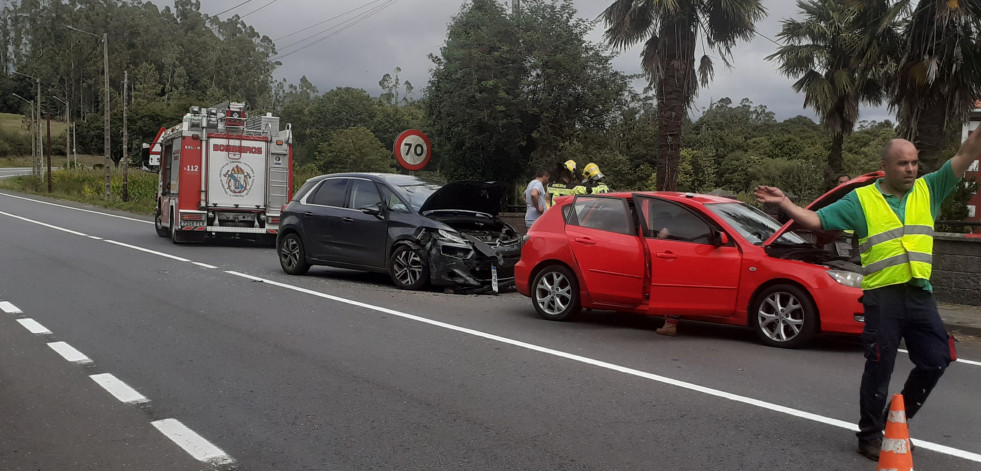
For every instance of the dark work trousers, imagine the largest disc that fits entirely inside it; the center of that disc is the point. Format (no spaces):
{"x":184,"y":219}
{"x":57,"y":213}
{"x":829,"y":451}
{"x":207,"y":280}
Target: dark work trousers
{"x":893,"y":313}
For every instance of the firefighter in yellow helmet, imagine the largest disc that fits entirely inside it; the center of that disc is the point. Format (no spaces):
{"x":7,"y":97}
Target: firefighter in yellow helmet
{"x":592,"y":182}
{"x":566,"y":176}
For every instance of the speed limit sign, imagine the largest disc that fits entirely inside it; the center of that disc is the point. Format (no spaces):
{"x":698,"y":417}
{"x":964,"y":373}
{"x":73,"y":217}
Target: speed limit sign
{"x":413,"y":150}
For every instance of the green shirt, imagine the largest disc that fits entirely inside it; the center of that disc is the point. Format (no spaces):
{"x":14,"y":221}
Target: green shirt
{"x":847,"y":214}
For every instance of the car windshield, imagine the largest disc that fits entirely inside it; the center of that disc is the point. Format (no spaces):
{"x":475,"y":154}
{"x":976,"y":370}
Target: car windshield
{"x":417,"y":192}
{"x":751,"y":223}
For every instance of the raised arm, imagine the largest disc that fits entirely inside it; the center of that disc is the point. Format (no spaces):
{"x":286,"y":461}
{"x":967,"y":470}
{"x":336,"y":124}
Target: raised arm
{"x":771,"y":194}
{"x":970,"y":150}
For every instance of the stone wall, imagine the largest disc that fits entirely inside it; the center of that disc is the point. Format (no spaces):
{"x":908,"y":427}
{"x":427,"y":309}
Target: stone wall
{"x":957,"y":268}
{"x":956,"y":264}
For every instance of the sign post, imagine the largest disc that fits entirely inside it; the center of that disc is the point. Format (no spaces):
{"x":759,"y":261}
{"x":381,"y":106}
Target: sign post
{"x":413,"y":150}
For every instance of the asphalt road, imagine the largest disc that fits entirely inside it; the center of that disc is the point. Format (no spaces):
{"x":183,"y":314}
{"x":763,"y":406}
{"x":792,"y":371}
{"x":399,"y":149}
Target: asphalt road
{"x":252,"y":369}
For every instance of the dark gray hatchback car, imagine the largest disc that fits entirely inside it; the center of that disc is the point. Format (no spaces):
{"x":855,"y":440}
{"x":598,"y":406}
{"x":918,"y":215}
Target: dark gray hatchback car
{"x":421,"y":232}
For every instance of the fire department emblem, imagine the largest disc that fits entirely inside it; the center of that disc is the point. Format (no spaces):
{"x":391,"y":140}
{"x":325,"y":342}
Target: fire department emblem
{"x":237,"y":178}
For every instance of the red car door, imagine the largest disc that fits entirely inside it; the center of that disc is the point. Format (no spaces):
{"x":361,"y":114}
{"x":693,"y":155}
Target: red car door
{"x":691,"y":273}
{"x":608,"y":250}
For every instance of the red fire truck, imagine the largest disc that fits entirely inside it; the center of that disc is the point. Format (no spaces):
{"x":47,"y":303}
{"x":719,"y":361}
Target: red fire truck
{"x":223,"y":174}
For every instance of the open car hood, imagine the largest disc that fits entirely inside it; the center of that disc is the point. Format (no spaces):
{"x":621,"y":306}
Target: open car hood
{"x":826,"y":199}
{"x":484,"y":197}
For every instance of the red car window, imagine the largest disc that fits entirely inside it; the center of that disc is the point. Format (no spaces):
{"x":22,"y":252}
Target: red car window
{"x":605,"y":214}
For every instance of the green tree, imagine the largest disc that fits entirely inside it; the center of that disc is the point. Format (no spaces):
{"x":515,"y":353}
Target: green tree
{"x":820,"y":51}
{"x":669,"y":30}
{"x":937,"y":73}
{"x":354,"y":150}
{"x":508,"y":94}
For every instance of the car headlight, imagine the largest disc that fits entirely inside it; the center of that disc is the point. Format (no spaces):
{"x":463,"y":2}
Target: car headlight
{"x":847,"y":278}
{"x":450,"y":236}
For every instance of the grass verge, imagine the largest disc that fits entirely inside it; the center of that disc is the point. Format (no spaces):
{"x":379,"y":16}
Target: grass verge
{"x":88,"y":186}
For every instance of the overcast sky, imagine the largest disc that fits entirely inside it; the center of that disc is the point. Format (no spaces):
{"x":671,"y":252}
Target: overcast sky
{"x":353,"y":43}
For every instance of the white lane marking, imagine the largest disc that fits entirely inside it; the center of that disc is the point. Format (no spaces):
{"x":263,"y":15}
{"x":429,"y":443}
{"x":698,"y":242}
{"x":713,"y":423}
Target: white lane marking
{"x":613,"y":367}
{"x":34,"y":326}
{"x":959,"y":360}
{"x":694,"y":387}
{"x":69,"y":353}
{"x":191,"y":442}
{"x":95,"y":237}
{"x":9,"y":308}
{"x":141,"y":249}
{"x":77,"y":209}
{"x":44,"y":224}
{"x":205,"y":265}
{"x":119,"y":389}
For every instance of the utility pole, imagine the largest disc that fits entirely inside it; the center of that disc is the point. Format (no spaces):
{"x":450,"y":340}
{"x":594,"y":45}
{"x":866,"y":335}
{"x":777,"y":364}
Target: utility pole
{"x":38,"y":159}
{"x":30,"y":130}
{"x":68,"y":132}
{"x":48,"y":113}
{"x":125,"y":157}
{"x":105,"y":55}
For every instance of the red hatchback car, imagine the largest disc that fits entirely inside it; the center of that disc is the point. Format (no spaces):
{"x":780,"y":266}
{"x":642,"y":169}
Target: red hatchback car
{"x":701,"y":257}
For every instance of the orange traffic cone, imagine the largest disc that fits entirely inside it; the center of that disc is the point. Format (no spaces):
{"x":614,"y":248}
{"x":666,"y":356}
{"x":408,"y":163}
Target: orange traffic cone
{"x":895,"y":454}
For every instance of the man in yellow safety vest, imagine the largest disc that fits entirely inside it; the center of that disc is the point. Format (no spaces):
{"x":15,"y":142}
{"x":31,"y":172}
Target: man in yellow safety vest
{"x":893,"y":219}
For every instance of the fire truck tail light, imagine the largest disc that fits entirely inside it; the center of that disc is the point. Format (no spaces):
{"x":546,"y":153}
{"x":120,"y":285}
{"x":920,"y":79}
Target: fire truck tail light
{"x":279,"y":142}
{"x":274,"y":220}
{"x":193,"y":217}
{"x":196,"y":136}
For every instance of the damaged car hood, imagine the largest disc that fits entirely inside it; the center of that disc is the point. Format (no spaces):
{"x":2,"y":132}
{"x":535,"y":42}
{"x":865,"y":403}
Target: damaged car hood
{"x":482,"y":197}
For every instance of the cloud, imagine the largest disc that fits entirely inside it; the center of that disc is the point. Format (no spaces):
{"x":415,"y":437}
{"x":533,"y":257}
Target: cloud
{"x":402,"y":33}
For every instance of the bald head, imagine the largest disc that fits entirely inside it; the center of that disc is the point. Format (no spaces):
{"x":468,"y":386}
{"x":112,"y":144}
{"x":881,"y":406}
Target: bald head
{"x":896,"y":148}
{"x":900,"y":163}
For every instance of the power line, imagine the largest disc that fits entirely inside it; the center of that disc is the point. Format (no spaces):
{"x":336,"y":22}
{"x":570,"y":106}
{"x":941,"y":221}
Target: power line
{"x":335,"y":30}
{"x":234,"y":7}
{"x":260,"y":8}
{"x":328,"y":20}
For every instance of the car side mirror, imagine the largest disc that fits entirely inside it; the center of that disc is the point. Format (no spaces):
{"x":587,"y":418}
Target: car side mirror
{"x":721,"y":239}
{"x":373,"y":209}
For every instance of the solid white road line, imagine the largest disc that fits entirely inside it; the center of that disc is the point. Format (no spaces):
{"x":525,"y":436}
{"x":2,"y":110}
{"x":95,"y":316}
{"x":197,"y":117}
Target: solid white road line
{"x":34,"y":326}
{"x":119,"y":389}
{"x":141,"y":249}
{"x":613,"y":367}
{"x":5,"y":306}
{"x":76,"y":209}
{"x":192,"y":443}
{"x":662,"y":379}
{"x":69,"y":353}
{"x":44,"y":224}
{"x":959,"y":360}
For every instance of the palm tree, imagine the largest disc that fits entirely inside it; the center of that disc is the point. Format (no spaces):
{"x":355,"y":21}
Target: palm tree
{"x":938,"y":71}
{"x":821,"y":52}
{"x":670,"y":29}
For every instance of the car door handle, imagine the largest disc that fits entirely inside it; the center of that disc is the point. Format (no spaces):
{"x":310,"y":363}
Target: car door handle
{"x":347,"y":219}
{"x":667,"y":255}
{"x":585,"y":240}
{"x":308,"y":213}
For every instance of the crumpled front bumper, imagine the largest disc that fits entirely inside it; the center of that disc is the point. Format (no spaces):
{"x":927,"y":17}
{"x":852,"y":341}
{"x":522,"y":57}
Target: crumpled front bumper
{"x":472,"y":267}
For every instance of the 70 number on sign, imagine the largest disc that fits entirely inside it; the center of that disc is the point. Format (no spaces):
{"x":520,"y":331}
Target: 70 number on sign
{"x":414,"y":150}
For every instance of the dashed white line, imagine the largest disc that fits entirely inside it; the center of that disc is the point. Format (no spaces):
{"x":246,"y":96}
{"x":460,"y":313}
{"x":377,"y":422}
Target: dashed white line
{"x":34,"y":326}
{"x":69,"y":353}
{"x":5,"y":306}
{"x":119,"y":389}
{"x":191,"y":442}
{"x":184,"y":434}
{"x":205,"y":265}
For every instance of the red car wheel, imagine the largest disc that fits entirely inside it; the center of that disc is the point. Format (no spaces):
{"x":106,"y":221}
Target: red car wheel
{"x":555,"y":293}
